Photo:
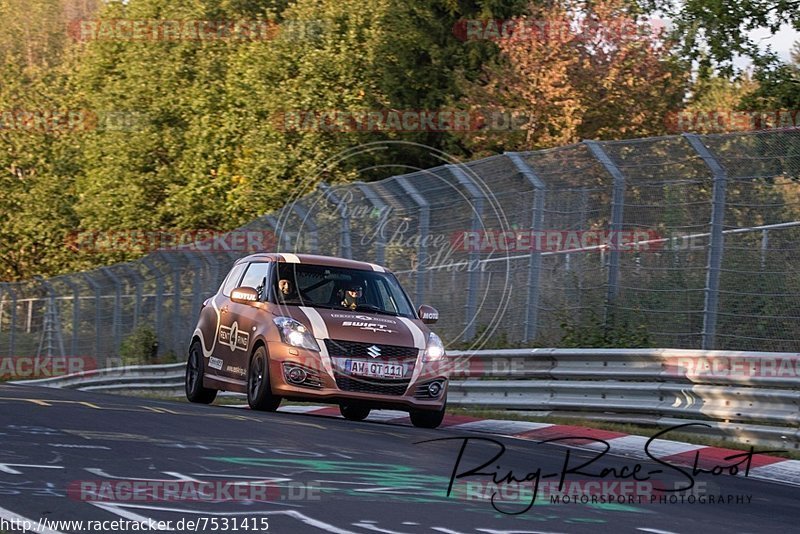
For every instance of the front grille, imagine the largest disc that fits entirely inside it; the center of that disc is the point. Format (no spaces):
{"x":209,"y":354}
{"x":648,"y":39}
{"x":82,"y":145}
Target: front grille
{"x":371,"y":385}
{"x":353,"y":349}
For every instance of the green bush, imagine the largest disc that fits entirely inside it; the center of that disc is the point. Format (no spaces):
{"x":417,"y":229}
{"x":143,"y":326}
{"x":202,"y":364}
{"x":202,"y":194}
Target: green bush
{"x":594,"y":332}
{"x":140,"y":347}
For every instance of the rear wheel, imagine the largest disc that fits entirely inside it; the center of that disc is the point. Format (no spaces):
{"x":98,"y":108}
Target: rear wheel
{"x":259,"y":391}
{"x":195,"y":391}
{"x":427,"y":418}
{"x":353,"y":412}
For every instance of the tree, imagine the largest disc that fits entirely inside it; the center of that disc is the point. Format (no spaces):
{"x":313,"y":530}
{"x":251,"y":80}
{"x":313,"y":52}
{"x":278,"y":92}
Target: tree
{"x":719,"y":30}
{"x":600,"y":74}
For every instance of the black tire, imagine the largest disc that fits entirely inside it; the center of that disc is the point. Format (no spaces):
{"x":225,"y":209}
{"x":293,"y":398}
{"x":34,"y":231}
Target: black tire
{"x":427,"y":418}
{"x":195,"y":391}
{"x":259,"y":391}
{"x":354,"y":412}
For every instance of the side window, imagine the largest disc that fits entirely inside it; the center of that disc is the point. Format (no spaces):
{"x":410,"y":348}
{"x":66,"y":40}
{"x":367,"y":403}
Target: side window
{"x":233,"y":279}
{"x":256,"y":277}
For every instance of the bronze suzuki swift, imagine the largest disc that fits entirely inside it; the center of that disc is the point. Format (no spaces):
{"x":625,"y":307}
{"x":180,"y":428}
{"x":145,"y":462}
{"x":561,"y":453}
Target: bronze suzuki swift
{"x":317,"y":328}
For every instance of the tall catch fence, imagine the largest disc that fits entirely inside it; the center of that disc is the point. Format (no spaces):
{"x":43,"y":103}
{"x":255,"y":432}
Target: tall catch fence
{"x":688,"y":241}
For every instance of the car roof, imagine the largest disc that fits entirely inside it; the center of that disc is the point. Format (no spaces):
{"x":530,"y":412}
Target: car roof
{"x":313,"y":259}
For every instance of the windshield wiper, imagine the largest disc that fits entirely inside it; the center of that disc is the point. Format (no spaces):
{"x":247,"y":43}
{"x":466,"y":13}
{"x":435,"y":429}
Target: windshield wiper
{"x":376,"y":309}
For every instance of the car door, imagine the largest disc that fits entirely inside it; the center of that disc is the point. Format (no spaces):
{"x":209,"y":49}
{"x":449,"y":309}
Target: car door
{"x":244,"y":319}
{"x":222,"y":351}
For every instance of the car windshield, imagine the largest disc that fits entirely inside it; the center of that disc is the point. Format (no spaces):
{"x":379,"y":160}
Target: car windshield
{"x":339,"y":288}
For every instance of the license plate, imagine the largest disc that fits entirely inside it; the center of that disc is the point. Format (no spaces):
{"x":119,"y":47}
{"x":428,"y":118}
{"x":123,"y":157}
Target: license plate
{"x":374,"y":369}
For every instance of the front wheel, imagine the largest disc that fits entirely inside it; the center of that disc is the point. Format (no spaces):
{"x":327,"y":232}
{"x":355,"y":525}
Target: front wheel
{"x":427,"y":418}
{"x":353,"y":412}
{"x":259,"y":391}
{"x":195,"y":391}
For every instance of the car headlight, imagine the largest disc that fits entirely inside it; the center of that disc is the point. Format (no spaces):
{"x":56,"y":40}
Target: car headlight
{"x":294,"y":333}
{"x":435,"y":349}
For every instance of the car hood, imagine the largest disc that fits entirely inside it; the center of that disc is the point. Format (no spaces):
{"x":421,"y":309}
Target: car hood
{"x":362,"y":327}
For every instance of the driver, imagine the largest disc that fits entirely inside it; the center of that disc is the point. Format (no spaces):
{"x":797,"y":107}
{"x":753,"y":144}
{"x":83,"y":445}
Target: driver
{"x":351,"y":296}
{"x":287,"y":292}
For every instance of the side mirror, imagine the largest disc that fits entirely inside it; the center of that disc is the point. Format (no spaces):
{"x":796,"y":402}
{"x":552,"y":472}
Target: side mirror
{"x":428,"y":314}
{"x":244,"y":295}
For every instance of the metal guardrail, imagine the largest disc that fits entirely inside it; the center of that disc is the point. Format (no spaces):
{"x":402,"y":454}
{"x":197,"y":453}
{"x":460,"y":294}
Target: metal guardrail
{"x":749,"y":397}
{"x":169,"y":377}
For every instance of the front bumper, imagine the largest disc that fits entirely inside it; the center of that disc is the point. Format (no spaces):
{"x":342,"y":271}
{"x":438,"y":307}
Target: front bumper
{"x":326,"y":382}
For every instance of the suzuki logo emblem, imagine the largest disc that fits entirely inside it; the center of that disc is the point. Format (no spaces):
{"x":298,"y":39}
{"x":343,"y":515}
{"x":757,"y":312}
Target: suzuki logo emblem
{"x":374,"y":351}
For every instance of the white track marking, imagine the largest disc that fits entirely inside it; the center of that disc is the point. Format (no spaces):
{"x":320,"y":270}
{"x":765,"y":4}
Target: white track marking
{"x":7,"y":468}
{"x":496,"y":426}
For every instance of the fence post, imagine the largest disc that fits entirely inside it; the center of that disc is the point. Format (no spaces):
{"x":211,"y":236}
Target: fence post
{"x":424,"y":228}
{"x":76,"y":315}
{"x":158,"y":277}
{"x":477,"y":198}
{"x":175,"y":270}
{"x":383,"y":210}
{"x":717,"y":242}
{"x":617,"y":205}
{"x":283,"y":241}
{"x":12,"y":317}
{"x":313,"y":230}
{"x":535,"y":262}
{"x":134,"y":275}
{"x":345,"y":245}
{"x":98,"y":319}
{"x":116,"y":325}
{"x":197,"y":284}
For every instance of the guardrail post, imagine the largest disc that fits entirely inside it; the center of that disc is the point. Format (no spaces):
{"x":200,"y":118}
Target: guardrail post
{"x":383,"y":210}
{"x":535,"y":262}
{"x":617,"y":205}
{"x":345,"y":245}
{"x":477,"y":198}
{"x":313,"y":230}
{"x":717,"y":240}
{"x":98,"y":318}
{"x":424,"y":228}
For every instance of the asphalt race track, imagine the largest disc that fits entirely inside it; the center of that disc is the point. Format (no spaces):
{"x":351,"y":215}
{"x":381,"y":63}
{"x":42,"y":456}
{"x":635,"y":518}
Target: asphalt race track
{"x":322,"y":474}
